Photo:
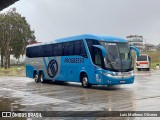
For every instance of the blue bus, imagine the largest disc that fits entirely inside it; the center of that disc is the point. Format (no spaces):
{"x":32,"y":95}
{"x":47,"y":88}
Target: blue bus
{"x":89,"y":59}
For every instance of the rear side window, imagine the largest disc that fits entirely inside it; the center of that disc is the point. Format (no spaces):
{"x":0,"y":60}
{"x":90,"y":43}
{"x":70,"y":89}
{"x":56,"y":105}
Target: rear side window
{"x":57,"y":49}
{"x":68,"y":48}
{"x":33,"y":51}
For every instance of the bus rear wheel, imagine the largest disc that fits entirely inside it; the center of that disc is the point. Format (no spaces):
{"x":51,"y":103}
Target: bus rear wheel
{"x":84,"y":81}
{"x":41,"y":77}
{"x":36,"y":78}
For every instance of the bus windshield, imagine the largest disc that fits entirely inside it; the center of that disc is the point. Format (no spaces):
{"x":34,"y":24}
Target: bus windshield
{"x":118,"y":57}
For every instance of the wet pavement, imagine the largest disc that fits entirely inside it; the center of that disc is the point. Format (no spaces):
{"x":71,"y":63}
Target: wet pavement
{"x":23,"y":94}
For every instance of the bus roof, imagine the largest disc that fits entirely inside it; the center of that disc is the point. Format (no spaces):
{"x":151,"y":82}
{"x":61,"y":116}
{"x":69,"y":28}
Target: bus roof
{"x":84,"y":36}
{"x":91,"y":36}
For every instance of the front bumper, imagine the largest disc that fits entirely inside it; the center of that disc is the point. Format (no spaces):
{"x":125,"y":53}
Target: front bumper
{"x":118,"y":78}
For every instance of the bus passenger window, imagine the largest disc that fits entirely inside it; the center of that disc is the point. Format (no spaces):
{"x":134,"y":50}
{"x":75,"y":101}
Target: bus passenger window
{"x":83,"y":50}
{"x":70,"y":48}
{"x":47,"y":50}
{"x":77,"y":48}
{"x":65,"y":50}
{"x":57,"y":49}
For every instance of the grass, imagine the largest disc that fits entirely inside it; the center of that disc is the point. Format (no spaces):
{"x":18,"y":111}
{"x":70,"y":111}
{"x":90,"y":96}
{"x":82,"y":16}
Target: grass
{"x":155,"y":58}
{"x":13,"y":71}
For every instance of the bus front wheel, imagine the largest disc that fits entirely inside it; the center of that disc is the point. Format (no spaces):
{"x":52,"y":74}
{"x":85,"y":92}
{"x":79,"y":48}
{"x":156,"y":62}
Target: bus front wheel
{"x":84,"y":81}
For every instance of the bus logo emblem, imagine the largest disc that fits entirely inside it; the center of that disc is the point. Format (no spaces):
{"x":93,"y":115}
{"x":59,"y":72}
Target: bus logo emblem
{"x":52,"y":68}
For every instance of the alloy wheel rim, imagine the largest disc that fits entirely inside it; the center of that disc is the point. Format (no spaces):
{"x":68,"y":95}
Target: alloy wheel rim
{"x":41,"y":78}
{"x":36,"y":77}
{"x":85,"y":81}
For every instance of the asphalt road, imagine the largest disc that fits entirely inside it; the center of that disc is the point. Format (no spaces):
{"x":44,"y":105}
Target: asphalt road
{"x":23,"y":94}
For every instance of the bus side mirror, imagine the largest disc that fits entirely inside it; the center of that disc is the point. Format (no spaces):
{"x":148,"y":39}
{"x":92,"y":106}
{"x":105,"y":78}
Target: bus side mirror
{"x":136,"y":50}
{"x":104,"y":52}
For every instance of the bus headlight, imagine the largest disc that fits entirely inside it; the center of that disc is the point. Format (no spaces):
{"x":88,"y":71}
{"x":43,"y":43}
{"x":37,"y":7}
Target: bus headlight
{"x":118,"y":74}
{"x":107,"y":74}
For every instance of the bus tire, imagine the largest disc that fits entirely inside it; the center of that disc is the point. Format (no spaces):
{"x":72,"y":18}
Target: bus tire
{"x":36,"y":78}
{"x":138,"y":69}
{"x":148,"y":69}
{"x":84,"y":81}
{"x":41,"y":77}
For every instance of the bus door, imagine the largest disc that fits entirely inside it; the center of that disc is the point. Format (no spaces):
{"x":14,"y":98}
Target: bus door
{"x":97,"y":59}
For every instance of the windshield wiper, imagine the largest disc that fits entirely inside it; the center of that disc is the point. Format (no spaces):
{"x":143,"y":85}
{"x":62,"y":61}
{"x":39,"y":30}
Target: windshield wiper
{"x":109,"y":63}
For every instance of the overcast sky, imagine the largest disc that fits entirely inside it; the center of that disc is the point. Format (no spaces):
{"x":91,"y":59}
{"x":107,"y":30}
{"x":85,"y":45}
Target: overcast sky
{"x":52,"y":19}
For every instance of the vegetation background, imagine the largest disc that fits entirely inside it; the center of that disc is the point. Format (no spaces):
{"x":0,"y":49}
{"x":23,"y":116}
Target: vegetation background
{"x":155,"y":58}
{"x":15,"y":34}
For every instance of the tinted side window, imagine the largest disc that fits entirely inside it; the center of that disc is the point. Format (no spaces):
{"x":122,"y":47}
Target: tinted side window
{"x":28,"y":52}
{"x":74,"y":48}
{"x":32,"y":52}
{"x":83,"y":50}
{"x":77,"y":48}
{"x":46,"y":50}
{"x":57,"y":49}
{"x":39,"y":51}
{"x":68,"y":48}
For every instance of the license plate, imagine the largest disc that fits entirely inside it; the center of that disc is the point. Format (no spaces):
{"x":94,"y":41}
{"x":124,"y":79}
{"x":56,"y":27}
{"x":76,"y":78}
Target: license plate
{"x":122,"y":81}
{"x":126,"y":74}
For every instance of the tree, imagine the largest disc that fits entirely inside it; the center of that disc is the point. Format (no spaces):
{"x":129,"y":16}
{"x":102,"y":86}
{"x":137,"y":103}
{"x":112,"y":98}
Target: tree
{"x":14,"y":35}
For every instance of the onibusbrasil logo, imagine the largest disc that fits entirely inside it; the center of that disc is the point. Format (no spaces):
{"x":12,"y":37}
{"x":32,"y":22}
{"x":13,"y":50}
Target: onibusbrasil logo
{"x":52,"y":68}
